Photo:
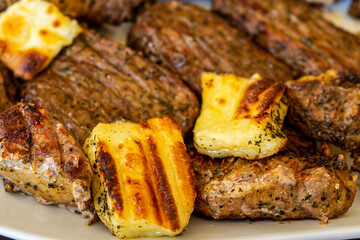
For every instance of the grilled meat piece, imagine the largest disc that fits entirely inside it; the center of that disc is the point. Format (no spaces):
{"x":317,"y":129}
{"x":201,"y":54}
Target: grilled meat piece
{"x":39,"y":156}
{"x":356,"y":157}
{"x":354,"y":9}
{"x":189,"y":40}
{"x":95,"y":12}
{"x":99,"y":80}
{"x":279,"y":187}
{"x":7,"y":88}
{"x":327,"y":108}
{"x":297,"y":142}
{"x":294,"y":33}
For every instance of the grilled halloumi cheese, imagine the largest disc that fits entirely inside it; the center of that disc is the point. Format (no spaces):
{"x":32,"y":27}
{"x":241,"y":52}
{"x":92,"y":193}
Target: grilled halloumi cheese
{"x":143,"y":184}
{"x":240,"y":117}
{"x":32,"y":33}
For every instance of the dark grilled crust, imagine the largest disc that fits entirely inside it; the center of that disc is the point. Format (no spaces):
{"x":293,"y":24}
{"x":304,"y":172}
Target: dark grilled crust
{"x":7,"y":88}
{"x":189,"y":40}
{"x":164,"y":190}
{"x":95,"y":12}
{"x":327,"y":110}
{"x":298,"y":143}
{"x":99,"y":80}
{"x":354,"y":9}
{"x":267,"y":89}
{"x":39,"y":155}
{"x":279,"y":187}
{"x":142,"y":183}
{"x":107,"y":167}
{"x":295,"y":34}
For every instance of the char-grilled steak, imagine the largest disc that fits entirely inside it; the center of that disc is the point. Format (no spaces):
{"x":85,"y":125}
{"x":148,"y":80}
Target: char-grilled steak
{"x":354,"y":9}
{"x":327,"y":108}
{"x":40,"y":156}
{"x":189,"y":40}
{"x":98,"y":11}
{"x":98,"y":80}
{"x":295,"y":33}
{"x":282,"y":186}
{"x":297,"y":142}
{"x":7,"y":88}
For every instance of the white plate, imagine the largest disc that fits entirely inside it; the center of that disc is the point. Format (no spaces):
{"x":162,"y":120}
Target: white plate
{"x":21,"y":217}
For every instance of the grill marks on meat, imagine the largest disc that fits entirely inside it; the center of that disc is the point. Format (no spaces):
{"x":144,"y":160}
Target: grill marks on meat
{"x":279,"y":187}
{"x":39,"y":156}
{"x":110,"y":11}
{"x":294,"y":33}
{"x":189,"y":40}
{"x":327,"y":108}
{"x":354,"y":9}
{"x":99,"y":80}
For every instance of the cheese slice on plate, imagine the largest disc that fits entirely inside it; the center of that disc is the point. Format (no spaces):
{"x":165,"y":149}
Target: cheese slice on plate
{"x":32,"y":33}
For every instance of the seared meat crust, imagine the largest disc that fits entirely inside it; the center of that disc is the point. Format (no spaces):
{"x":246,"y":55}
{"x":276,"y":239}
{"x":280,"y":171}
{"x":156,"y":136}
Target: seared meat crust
{"x":39,"y":156}
{"x":327,"y":108}
{"x":354,"y":9}
{"x":99,"y":80}
{"x":110,"y":11}
{"x":294,"y":33}
{"x":279,"y":187}
{"x":7,"y":88}
{"x":189,"y":40}
{"x":297,"y":142}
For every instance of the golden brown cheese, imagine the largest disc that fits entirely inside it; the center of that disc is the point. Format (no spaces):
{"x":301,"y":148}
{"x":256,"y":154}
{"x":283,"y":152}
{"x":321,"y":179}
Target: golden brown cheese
{"x":32,"y":33}
{"x":240,"y":117}
{"x":143,"y":184}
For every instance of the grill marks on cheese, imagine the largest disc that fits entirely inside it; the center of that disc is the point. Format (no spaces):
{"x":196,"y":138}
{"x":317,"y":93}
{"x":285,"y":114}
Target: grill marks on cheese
{"x":32,"y":33}
{"x":108,"y":169}
{"x":161,"y":196}
{"x":167,"y":200}
{"x":241,"y":117}
{"x":263,"y":91}
{"x":147,"y":176}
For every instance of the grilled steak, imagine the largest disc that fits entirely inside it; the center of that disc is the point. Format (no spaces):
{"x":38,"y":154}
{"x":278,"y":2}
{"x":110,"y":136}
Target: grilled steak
{"x":279,"y":187}
{"x":189,"y":40}
{"x":110,"y":11}
{"x":98,"y":80}
{"x":39,"y":156}
{"x":327,"y":108}
{"x":294,"y":33}
{"x":297,"y":142}
{"x":7,"y":88}
{"x":354,"y":9}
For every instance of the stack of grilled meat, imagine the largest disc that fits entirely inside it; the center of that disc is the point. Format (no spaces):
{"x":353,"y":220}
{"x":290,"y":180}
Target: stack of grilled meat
{"x":98,"y":80}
